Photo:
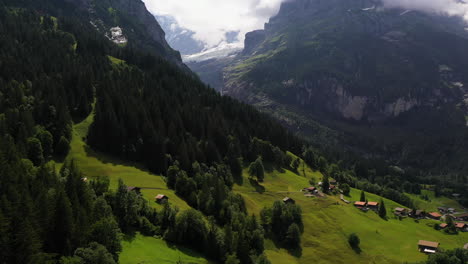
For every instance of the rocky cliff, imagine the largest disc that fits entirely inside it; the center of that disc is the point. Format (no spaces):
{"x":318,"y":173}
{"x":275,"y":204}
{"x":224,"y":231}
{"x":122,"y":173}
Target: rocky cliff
{"x":134,"y":23}
{"x":353,"y":59}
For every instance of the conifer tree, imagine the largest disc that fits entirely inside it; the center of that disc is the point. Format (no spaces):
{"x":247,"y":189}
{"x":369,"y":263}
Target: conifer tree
{"x":382,"y":209}
{"x":363,"y":197}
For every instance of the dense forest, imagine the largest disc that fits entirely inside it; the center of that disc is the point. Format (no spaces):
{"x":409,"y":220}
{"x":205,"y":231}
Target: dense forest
{"x":55,"y":69}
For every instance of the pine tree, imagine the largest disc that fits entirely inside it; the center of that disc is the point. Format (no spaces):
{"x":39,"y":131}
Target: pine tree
{"x":382,"y":209}
{"x":363,"y":197}
{"x":293,"y":236}
{"x":325,"y":184}
{"x":257,"y":170}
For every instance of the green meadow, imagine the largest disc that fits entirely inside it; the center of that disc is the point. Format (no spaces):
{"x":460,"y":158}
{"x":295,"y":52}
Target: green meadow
{"x":150,"y":250}
{"x":94,"y":164}
{"x":328,"y":221}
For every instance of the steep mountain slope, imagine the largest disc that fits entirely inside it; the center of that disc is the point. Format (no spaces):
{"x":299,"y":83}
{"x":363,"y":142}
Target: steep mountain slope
{"x":132,"y":22}
{"x":374,"y":74}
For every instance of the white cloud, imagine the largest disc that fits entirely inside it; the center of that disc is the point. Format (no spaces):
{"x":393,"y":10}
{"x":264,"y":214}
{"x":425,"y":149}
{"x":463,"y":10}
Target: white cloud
{"x":211,"y":19}
{"x":445,"y":7}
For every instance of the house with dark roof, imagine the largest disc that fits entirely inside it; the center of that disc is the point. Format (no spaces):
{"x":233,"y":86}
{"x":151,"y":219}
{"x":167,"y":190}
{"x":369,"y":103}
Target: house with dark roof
{"x":462,"y":217}
{"x":428,"y":247}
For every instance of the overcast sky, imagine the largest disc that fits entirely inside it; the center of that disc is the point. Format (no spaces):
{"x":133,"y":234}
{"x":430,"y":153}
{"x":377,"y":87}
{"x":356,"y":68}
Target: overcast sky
{"x":211,"y":19}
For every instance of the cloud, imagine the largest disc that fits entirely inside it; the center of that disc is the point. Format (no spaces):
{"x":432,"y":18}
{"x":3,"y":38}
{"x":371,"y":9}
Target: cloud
{"x":212,"y":19}
{"x":445,"y":7}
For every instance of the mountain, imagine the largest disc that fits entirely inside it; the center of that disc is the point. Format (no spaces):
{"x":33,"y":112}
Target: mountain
{"x":180,"y":38}
{"x":374,"y":75}
{"x":128,"y":22}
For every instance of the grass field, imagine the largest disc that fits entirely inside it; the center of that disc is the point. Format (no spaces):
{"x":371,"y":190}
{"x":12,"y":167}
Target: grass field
{"x":328,"y":222}
{"x":150,"y":250}
{"x":94,"y":164}
{"x":434,"y":202}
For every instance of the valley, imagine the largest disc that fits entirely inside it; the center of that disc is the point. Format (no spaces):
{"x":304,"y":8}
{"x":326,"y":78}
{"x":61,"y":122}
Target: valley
{"x":336,"y":135}
{"x":327,"y":221}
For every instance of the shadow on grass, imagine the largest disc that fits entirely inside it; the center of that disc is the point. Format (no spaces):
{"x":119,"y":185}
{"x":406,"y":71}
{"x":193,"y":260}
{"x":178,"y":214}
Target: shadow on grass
{"x":258,"y":188}
{"x":358,"y":250}
{"x":239,"y":180}
{"x":296,"y":252}
{"x":114,"y":161}
{"x":185,"y":250}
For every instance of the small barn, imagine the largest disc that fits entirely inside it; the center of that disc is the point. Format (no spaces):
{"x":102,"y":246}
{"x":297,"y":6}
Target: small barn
{"x":443,"y":225}
{"x":418,"y":214}
{"x":360,"y":204}
{"x":435,"y":215}
{"x":373,"y":205}
{"x":462,"y":217}
{"x":161,"y":199}
{"x":401,"y":211}
{"x":461,"y":226}
{"x":428,"y":247}
{"x":288,"y":200}
{"x":310,"y":189}
{"x":134,"y":189}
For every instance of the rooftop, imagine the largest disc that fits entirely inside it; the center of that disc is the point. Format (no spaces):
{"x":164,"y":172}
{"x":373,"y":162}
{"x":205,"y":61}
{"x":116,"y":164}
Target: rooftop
{"x":434,"y":214}
{"x":360,"y":203}
{"x":431,"y":244}
{"x":372,"y":203}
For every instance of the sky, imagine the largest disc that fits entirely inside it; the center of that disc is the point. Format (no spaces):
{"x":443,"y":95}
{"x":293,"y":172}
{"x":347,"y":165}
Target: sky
{"x":212,"y":19}
{"x":444,"y":7}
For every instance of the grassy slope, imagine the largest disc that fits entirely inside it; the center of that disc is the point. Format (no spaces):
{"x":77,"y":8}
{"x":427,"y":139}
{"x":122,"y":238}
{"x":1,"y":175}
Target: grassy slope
{"x":150,"y":250}
{"x":434,"y":202}
{"x":139,"y":249}
{"x":328,"y":222}
{"x":94,"y":164}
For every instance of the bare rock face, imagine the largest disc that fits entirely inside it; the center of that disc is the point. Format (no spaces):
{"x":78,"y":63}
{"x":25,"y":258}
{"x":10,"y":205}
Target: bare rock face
{"x":252,"y":40}
{"x":117,"y":36}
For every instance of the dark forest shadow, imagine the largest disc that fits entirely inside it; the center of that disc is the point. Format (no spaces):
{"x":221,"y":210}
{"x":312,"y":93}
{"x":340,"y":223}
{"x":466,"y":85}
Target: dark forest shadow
{"x":258,"y":188}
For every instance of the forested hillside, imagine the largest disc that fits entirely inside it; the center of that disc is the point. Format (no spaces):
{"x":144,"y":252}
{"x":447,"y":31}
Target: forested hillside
{"x":57,"y":70}
{"x":147,"y":110}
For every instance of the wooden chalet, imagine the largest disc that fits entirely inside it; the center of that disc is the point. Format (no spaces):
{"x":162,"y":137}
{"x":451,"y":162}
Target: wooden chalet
{"x":401,"y":211}
{"x":418,"y":214}
{"x":360,"y":204}
{"x":373,"y":205}
{"x":435,"y":215}
{"x":462,"y":217}
{"x":288,"y":200}
{"x":311,"y":189}
{"x":134,"y":189}
{"x":461,"y":226}
{"x":161,"y":199}
{"x":428,"y":247}
{"x":443,"y":225}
